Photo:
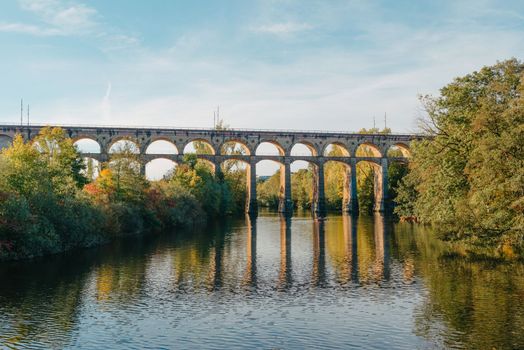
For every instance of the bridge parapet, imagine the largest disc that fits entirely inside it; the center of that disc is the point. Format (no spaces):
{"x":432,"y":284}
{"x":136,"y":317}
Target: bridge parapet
{"x":318,"y":141}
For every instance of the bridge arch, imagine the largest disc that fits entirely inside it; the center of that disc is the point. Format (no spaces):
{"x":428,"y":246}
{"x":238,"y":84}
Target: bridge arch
{"x":161,"y":146}
{"x":202,"y":159}
{"x":369,"y":160}
{"x":234,"y":146}
{"x":268,"y":167}
{"x":270,"y":182}
{"x":123,"y":143}
{"x":85,"y":144}
{"x":367,"y":149}
{"x":239,"y":162}
{"x":302,"y":148}
{"x":199,"y":146}
{"x":79,"y":137}
{"x":305,"y":184}
{"x":335,"y":149}
{"x":379,"y":180}
{"x":338,"y":185}
{"x":159,"y":168}
{"x":269,"y":148}
{"x":403,"y":148}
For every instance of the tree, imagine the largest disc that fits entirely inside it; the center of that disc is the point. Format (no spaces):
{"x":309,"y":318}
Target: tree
{"x":65,"y":165}
{"x":124,"y":175}
{"x":302,"y":187}
{"x":199,"y":181}
{"x":41,"y":212}
{"x":49,"y":164}
{"x":468,"y":177}
{"x":268,"y":191}
{"x":23,"y":170}
{"x":335,"y":174}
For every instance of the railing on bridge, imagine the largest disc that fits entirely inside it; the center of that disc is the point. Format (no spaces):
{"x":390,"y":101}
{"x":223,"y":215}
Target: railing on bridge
{"x":186,"y":128}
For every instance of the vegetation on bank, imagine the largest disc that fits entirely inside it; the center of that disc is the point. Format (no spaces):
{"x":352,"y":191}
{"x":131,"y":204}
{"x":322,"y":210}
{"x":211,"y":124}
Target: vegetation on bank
{"x":467,"y":180}
{"x":49,"y":205}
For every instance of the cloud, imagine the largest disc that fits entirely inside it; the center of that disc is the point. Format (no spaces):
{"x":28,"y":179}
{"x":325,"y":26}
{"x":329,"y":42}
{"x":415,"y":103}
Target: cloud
{"x":282,"y":29}
{"x":75,"y":18}
{"x":58,"y":18}
{"x":63,"y":19}
{"x":28,"y":29}
{"x":115,"y":42}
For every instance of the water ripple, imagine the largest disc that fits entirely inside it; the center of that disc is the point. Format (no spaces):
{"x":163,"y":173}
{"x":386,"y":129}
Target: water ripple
{"x":344,"y":285}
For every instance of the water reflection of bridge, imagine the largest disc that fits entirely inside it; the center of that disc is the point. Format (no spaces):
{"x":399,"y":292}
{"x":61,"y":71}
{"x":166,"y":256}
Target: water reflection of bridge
{"x":346,"y":267}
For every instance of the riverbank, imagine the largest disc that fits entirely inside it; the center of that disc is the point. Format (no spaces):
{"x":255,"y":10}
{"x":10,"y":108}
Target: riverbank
{"x":80,"y":224}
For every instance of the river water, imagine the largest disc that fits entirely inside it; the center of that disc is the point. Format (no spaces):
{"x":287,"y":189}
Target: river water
{"x":269,"y":283}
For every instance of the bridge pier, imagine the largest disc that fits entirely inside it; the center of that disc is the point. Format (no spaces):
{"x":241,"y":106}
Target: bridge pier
{"x":251,"y":198}
{"x":285,"y":204}
{"x":353,"y":196}
{"x":346,"y":192}
{"x":381,"y":186}
{"x":103,"y":158}
{"x":319,"y":197}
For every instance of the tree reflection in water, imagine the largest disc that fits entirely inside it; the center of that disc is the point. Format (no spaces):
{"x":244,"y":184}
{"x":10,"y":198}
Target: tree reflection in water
{"x":357,"y":262}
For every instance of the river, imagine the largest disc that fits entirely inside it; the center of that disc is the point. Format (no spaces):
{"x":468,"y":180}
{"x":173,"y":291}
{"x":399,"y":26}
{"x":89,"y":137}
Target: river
{"x":268,"y":283}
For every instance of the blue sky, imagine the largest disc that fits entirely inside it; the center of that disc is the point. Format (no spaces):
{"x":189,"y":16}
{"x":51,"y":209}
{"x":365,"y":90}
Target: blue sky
{"x":269,"y":64}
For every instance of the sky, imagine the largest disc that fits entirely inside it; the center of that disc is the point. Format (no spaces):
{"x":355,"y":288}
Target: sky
{"x":268,"y":64}
{"x":319,"y":65}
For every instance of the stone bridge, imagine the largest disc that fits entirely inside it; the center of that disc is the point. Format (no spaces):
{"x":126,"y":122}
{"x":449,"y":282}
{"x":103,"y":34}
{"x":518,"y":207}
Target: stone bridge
{"x":375,"y":146}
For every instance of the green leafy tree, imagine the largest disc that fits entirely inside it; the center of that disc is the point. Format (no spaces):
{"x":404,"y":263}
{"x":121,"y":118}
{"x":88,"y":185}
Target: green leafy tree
{"x":64,"y":163}
{"x":198,"y":179}
{"x":335,"y":174}
{"x":396,"y":172}
{"x":268,"y":191}
{"x":23,"y":170}
{"x":129,"y":184}
{"x":302,"y":188}
{"x":469,"y":176}
{"x":40,"y":212}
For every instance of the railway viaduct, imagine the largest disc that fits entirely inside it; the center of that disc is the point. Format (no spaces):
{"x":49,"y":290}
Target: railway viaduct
{"x":318,"y":143}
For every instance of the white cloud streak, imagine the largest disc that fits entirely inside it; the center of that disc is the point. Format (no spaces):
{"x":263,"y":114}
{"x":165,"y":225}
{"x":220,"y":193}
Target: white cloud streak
{"x":282,"y":29}
{"x":59,"y":18}
{"x":28,"y":29}
{"x":63,"y":19}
